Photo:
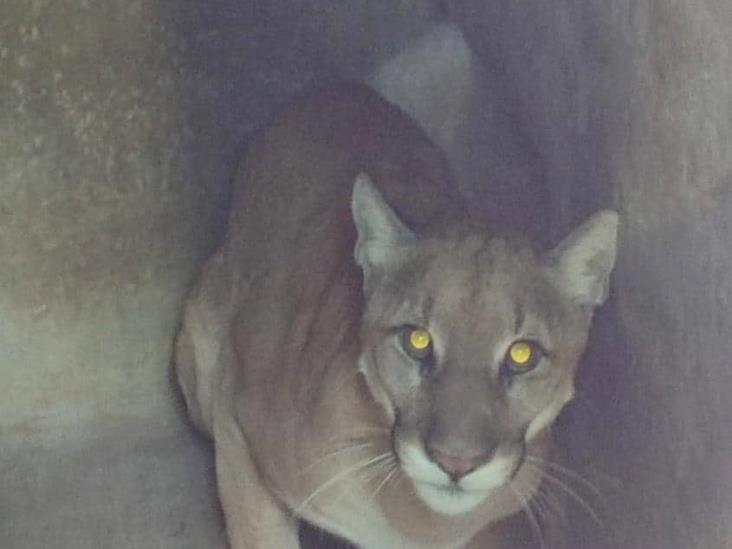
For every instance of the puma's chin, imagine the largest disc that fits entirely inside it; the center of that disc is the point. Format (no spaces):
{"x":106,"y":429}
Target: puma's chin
{"x":449,"y":499}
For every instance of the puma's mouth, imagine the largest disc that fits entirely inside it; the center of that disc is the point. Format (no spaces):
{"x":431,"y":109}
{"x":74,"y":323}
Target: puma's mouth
{"x":449,"y":499}
{"x":453,"y":496}
{"x":452,"y":489}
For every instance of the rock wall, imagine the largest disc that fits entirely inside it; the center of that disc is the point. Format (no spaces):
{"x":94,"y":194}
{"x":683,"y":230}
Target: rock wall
{"x":628,"y":103}
{"x":107,"y":201}
{"x":120,"y":126}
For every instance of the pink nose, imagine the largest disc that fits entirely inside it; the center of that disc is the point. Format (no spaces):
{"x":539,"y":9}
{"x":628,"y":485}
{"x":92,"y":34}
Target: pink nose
{"x":456,"y":467}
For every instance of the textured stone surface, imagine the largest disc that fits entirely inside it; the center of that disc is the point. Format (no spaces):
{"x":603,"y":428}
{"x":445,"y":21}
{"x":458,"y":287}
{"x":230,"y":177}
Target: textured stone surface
{"x":120,"y":126}
{"x":102,"y":218}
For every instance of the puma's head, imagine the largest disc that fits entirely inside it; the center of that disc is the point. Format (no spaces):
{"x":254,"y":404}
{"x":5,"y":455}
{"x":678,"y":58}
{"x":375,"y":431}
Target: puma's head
{"x":471,"y":343}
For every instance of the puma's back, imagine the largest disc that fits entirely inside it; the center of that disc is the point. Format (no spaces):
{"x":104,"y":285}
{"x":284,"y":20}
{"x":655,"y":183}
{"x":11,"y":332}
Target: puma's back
{"x":291,"y":209}
{"x":299,"y":174}
{"x":367,"y":355}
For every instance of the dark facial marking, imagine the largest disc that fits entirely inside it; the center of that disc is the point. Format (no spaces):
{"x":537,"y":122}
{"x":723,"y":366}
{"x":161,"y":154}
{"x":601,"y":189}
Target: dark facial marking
{"x":520,"y":317}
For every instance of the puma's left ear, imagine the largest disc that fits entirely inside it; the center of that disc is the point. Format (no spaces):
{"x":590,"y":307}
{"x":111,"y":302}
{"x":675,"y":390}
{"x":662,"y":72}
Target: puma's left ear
{"x":585,"y":259}
{"x":381,"y":234}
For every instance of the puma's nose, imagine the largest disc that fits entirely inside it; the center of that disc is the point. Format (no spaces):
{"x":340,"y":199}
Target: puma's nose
{"x":456,"y":467}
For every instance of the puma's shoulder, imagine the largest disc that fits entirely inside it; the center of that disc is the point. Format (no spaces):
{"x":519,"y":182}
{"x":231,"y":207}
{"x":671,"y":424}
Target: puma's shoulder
{"x":307,"y":160}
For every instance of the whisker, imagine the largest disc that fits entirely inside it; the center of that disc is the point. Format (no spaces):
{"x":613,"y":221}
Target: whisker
{"x":530,"y":516}
{"x":533,"y":497}
{"x":362,"y":431}
{"x":394,"y":478}
{"x":376,"y":470}
{"x":356,"y":440}
{"x":334,"y":454}
{"x":566,"y":471}
{"x":553,"y":502}
{"x":340,"y":476}
{"x":367,"y":474}
{"x":398,"y":477}
{"x":543,"y":509}
{"x":387,"y":477}
{"x":365,"y":433}
{"x":580,"y":500}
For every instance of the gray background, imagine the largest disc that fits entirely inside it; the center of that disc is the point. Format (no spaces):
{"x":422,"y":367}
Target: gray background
{"x":120,"y":126}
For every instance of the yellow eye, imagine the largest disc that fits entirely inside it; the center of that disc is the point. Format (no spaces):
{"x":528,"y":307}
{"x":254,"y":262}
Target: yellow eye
{"x":420,"y":339}
{"x":417,"y":342}
{"x":522,"y":356}
{"x":520,"y":352}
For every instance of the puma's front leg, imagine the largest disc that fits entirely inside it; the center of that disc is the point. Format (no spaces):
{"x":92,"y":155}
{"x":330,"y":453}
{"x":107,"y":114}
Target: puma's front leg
{"x":254,"y":519}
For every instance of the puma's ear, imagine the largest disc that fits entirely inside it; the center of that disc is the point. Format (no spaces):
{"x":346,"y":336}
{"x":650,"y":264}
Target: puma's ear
{"x":381,"y":235}
{"x":586,"y":257}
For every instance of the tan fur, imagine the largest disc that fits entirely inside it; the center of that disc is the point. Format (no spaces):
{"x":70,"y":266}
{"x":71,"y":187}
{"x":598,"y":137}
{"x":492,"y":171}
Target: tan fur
{"x":267,"y":353}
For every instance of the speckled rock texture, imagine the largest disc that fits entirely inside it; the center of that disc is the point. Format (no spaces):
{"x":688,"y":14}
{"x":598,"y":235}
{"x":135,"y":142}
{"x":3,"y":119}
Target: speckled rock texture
{"x":107,"y":201}
{"x":120,"y":127}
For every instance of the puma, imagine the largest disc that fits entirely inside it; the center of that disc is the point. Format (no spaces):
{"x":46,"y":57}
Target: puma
{"x":366,"y":356}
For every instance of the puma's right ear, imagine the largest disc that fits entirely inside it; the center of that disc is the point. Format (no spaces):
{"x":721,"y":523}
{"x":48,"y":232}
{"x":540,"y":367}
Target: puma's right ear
{"x":381,"y":234}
